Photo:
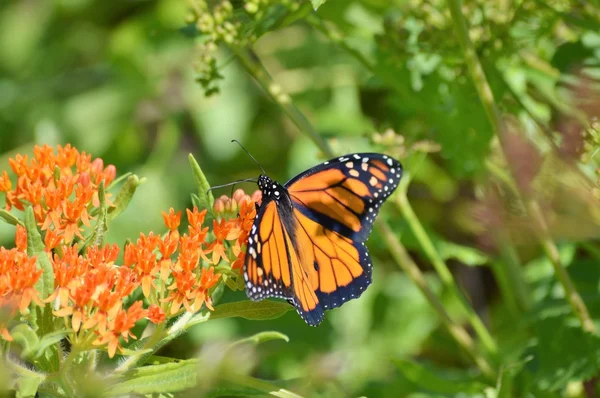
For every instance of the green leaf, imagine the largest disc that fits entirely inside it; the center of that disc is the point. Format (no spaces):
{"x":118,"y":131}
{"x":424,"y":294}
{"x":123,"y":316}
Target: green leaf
{"x":124,"y":196}
{"x":9,"y":218}
{"x":564,"y":353}
{"x":205,"y":198}
{"x":36,"y":247}
{"x":49,"y":340}
{"x":438,"y":380}
{"x":232,"y":389}
{"x":465,"y":254}
{"x":97,"y":237}
{"x":118,"y":180}
{"x":27,"y":386}
{"x":317,"y":3}
{"x":26,"y":337}
{"x":507,"y":376}
{"x":262,"y":337}
{"x":163,"y":378}
{"x":251,"y":310}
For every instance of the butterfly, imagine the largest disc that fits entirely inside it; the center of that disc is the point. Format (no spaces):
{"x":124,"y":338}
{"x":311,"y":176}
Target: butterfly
{"x":307,"y":242}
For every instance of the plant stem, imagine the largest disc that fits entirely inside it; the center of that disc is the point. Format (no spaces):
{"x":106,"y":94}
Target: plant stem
{"x":443,"y":271}
{"x":335,"y":37}
{"x":487,"y":99}
{"x":157,"y":335}
{"x":414,"y":273}
{"x":551,"y":251}
{"x":257,"y":70}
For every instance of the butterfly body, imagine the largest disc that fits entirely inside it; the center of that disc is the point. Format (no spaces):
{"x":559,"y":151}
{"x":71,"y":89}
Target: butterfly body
{"x":307,"y":243}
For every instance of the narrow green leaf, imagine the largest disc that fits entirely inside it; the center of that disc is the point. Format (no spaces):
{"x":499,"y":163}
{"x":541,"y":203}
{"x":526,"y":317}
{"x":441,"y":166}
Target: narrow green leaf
{"x":205,"y":197}
{"x":124,"y":196}
{"x":9,"y":218}
{"x":251,"y":310}
{"x":26,"y":337}
{"x":196,"y":201}
{"x":163,"y":378}
{"x":262,"y":337}
{"x":118,"y":180}
{"x":97,"y":237}
{"x":232,"y":389}
{"x":317,"y":3}
{"x":36,"y":247}
{"x":465,"y":254}
{"x":439,"y":381}
{"x":50,"y":339}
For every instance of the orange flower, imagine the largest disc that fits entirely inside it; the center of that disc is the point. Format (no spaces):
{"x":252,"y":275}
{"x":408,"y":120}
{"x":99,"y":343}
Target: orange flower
{"x":142,"y":257}
{"x":21,"y":238}
{"x":171,"y":219}
{"x":5,"y":183}
{"x":180,"y":290}
{"x":60,"y":185}
{"x":121,"y":326}
{"x":208,"y":279}
{"x":18,"y":276}
{"x":156,"y":314}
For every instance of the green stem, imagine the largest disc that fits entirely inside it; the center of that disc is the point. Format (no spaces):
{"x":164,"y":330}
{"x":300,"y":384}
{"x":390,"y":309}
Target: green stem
{"x":414,"y":273}
{"x":335,"y":37}
{"x":511,"y":271}
{"x":551,"y":251}
{"x":257,"y":70}
{"x":487,"y":99}
{"x":443,"y":271}
{"x":152,"y":343}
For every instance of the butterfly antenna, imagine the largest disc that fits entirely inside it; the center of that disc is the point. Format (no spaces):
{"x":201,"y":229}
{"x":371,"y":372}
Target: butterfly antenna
{"x":249,"y":154}
{"x":232,"y":183}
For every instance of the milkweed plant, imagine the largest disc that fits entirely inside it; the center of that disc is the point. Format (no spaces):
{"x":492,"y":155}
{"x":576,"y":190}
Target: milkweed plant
{"x":68,"y":298}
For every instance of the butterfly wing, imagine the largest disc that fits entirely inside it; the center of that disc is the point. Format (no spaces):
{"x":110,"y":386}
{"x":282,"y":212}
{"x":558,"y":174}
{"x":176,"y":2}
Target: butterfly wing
{"x":335,"y":205}
{"x":344,"y":194}
{"x":273,"y":265}
{"x":308,"y":246}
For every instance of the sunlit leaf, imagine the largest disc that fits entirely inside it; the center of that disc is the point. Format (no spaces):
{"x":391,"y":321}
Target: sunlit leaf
{"x":163,"y":378}
{"x":251,"y":310}
{"x":205,"y":198}
{"x":317,"y":3}
{"x":124,"y":196}
{"x":262,"y":337}
{"x":9,"y":218}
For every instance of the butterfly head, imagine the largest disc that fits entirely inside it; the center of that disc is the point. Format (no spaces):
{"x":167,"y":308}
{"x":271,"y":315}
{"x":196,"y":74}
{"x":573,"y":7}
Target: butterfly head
{"x":270,"y":189}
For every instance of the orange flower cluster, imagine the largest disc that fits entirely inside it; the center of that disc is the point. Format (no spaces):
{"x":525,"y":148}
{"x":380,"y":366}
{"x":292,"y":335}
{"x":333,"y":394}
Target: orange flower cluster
{"x":235,"y":229}
{"x":61,"y":187}
{"x":18,"y":276}
{"x":90,"y":289}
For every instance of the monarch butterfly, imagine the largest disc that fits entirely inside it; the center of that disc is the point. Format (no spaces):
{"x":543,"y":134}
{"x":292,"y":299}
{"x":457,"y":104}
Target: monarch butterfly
{"x":307,"y":243}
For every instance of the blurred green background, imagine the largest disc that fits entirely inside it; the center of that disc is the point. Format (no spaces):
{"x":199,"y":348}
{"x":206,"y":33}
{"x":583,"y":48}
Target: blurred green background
{"x":118,"y":80}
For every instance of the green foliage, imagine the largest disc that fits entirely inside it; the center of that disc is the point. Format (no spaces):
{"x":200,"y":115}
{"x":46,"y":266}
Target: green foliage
{"x":562,"y":353}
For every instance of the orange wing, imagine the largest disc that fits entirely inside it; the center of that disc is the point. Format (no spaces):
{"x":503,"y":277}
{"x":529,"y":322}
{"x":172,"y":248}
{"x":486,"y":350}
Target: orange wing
{"x":307,"y":244}
{"x":273,"y":266}
{"x":345,"y":194}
